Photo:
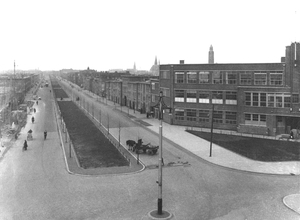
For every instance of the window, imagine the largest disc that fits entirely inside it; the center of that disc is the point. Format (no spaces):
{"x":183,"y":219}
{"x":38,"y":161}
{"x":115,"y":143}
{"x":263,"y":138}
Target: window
{"x":230,"y":98}
{"x":246,"y":78}
{"x":271,"y":100}
{"x":203,"y":115}
{"x":165,"y":74}
{"x":276,"y":78}
{"x":218,"y":117}
{"x":287,"y":101}
{"x":217,"y":77}
{"x":263,"y":99}
{"x":191,"y":77}
{"x":278,"y":101}
{"x":203,"y":97}
{"x":230,"y":117}
{"x":153,"y":86}
{"x":255,"y":99}
{"x":295,"y":98}
{"x":255,"y":119}
{"x":217,"y":97}
{"x":248,"y":98}
{"x":203,"y":77}
{"x":179,"y":77}
{"x":191,"y":114}
{"x":230,"y":77}
{"x":191,"y":96}
{"x":260,"y":78}
{"x":179,"y":95}
{"x":179,"y":114}
{"x":165,"y":91}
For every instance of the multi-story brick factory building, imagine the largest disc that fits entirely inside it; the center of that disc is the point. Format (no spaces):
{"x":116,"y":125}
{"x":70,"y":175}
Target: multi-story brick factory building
{"x":257,"y":98}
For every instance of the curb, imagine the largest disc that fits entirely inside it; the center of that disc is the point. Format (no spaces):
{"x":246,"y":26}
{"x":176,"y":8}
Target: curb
{"x":206,"y":161}
{"x":63,"y":149}
{"x":292,"y":202}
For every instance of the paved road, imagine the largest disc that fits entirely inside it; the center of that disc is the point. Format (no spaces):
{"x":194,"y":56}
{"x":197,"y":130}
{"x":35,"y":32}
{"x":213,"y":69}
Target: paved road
{"x":36,"y":185}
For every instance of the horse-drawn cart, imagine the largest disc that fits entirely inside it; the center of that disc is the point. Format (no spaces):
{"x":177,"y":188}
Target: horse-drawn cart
{"x":29,"y":135}
{"x":139,"y":147}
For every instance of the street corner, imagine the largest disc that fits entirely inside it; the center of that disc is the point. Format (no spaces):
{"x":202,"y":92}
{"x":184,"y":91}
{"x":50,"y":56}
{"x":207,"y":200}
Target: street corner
{"x":293,"y":202}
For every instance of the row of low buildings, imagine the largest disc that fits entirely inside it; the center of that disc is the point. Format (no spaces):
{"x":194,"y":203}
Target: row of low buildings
{"x":257,"y":98}
{"x":14,"y":88}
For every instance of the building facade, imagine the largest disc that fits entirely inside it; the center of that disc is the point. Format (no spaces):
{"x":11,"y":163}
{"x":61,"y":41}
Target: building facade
{"x":257,"y":98}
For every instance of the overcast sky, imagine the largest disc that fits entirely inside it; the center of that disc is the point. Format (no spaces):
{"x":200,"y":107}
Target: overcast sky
{"x":103,"y":35}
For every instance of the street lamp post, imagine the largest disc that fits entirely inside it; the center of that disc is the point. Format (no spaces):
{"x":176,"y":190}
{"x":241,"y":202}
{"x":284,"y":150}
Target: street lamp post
{"x":133,"y":105}
{"x":211,"y":131}
{"x":161,"y":105}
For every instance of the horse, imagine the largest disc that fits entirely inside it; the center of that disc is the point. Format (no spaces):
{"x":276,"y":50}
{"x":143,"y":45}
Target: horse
{"x":130,"y":144}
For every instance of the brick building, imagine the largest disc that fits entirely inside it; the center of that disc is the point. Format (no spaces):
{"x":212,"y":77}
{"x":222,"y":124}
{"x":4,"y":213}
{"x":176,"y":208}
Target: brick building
{"x":257,"y":98}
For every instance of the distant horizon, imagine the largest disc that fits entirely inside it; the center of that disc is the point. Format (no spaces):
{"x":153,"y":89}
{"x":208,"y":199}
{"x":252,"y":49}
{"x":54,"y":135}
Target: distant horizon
{"x":136,"y":68}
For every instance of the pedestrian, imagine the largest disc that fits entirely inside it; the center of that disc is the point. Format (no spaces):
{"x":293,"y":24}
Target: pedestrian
{"x":45,"y":135}
{"x":32,"y":119}
{"x":292,"y":134}
{"x":37,"y":102}
{"x":34,"y":110}
{"x":25,"y":145}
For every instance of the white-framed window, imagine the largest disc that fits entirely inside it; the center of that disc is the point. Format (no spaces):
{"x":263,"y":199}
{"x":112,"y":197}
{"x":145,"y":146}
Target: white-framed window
{"x":203,"y":115}
{"x":203,"y":97}
{"x":218,"y":117}
{"x":191,"y":114}
{"x":255,"y":119}
{"x":246,"y":78}
{"x":230,"y":78}
{"x":230,"y":117}
{"x":217,"y":97}
{"x":276,"y":78}
{"x":191,"y":77}
{"x":191,"y":96}
{"x":179,"y":77}
{"x":217,"y":77}
{"x":260,"y":78}
{"x":179,"y":114}
{"x":203,"y":77}
{"x":231,"y":98}
{"x":179,"y":95}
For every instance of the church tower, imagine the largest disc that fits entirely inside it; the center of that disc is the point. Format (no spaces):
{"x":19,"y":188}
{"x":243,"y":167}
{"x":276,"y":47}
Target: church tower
{"x":134,"y":68}
{"x":155,"y":62}
{"x":211,"y":55}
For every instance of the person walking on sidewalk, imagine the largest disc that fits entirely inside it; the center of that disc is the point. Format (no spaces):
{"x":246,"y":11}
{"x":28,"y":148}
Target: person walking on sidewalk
{"x":45,"y":135}
{"x":25,"y":145}
{"x":32,"y":119}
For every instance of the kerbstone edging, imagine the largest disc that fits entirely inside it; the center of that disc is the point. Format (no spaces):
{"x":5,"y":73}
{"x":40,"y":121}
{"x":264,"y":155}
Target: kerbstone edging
{"x":293,"y":202}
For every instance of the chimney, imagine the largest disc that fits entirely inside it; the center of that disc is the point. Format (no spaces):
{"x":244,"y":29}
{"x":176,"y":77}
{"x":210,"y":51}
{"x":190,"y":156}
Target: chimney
{"x":181,"y":61}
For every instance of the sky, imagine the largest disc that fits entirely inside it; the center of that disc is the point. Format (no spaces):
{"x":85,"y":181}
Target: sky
{"x":115,"y":34}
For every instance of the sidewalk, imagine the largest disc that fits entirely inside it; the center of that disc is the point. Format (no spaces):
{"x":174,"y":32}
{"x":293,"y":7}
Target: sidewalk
{"x":201,"y":147}
{"x":7,"y":141}
{"x":220,"y":156}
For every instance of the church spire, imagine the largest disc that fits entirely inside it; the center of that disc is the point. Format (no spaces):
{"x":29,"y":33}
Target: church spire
{"x":155,"y":62}
{"x":211,"y":55}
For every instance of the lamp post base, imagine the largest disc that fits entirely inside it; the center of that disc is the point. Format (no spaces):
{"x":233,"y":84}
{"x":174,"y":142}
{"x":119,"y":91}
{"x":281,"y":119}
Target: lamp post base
{"x":165,"y":215}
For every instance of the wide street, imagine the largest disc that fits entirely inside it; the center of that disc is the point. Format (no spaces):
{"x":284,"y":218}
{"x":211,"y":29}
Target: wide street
{"x":36,"y":185}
